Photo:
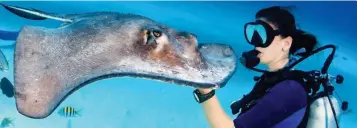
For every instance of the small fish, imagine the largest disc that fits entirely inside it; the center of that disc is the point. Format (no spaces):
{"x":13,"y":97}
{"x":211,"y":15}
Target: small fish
{"x":6,"y":87}
{"x":69,"y":112}
{"x":6,"y":122}
{"x":4,"y":65}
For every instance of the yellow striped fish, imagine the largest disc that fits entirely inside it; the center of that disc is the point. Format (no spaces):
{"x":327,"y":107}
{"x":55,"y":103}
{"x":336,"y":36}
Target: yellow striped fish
{"x":68,"y":111}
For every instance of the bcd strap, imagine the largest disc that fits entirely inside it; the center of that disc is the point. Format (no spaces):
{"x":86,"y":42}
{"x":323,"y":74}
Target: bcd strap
{"x":269,"y":80}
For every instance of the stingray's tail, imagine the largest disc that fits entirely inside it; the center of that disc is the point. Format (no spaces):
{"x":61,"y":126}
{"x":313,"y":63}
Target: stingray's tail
{"x":33,"y":14}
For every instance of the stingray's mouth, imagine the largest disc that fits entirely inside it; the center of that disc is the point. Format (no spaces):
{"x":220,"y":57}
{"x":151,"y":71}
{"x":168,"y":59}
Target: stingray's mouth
{"x":220,"y":60}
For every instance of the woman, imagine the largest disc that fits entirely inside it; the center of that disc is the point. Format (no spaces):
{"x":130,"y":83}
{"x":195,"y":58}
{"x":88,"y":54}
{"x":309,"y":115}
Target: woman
{"x":285,"y":99}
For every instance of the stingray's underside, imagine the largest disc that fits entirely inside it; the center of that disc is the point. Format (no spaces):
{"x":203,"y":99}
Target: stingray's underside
{"x":52,"y":63}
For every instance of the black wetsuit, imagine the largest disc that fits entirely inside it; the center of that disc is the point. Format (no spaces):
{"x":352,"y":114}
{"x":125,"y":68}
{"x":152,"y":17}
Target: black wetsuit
{"x":283,"y":106}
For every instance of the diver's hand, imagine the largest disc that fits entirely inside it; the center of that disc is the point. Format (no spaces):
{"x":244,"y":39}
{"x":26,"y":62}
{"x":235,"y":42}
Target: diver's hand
{"x":205,"y":90}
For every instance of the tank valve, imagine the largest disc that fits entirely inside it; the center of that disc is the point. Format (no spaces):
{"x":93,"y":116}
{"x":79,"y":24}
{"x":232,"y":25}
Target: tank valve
{"x":344,"y":106}
{"x":339,"y":79}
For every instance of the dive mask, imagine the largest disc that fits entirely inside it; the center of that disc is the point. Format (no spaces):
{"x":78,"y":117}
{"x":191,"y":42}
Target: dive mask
{"x":259,"y":33}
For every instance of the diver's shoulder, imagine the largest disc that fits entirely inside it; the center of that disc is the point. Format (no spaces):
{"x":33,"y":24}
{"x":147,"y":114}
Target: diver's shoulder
{"x":290,"y":90}
{"x":290,"y":82}
{"x":289,"y":87}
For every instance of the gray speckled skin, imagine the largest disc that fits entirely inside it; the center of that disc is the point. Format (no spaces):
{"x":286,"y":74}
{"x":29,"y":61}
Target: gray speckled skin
{"x":51,"y":63}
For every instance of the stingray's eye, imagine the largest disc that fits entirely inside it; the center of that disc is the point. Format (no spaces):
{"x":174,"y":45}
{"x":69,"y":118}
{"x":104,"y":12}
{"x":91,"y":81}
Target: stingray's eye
{"x":157,"y":33}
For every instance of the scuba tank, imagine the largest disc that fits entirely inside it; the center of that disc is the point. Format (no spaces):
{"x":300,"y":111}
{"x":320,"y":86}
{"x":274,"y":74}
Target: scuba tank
{"x":323,"y":109}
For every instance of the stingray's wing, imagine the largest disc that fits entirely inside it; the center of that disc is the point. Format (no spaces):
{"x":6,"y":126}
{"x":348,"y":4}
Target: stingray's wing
{"x":51,"y":63}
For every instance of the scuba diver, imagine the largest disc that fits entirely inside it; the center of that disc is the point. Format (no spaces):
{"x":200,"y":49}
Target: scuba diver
{"x":8,"y":35}
{"x":282,"y":97}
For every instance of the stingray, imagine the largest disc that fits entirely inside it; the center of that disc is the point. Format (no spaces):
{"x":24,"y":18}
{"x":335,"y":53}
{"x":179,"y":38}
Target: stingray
{"x":51,"y":63}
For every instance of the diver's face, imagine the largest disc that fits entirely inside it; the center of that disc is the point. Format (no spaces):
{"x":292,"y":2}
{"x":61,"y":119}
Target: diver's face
{"x":276,"y":50}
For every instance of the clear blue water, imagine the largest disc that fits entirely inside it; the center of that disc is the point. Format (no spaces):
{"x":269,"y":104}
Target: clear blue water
{"x":132,"y":102}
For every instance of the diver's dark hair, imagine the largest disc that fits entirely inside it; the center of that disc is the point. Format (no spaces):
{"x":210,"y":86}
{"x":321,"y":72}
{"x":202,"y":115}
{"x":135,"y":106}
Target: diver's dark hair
{"x":285,"y":22}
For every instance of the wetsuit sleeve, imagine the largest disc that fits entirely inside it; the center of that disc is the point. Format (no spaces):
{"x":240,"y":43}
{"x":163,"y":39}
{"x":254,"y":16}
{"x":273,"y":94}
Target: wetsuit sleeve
{"x":283,"y":100}
{"x":8,"y":35}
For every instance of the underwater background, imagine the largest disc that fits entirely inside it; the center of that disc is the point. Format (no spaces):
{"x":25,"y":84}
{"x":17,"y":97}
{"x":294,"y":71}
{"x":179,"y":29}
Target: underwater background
{"x":126,"y":102}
